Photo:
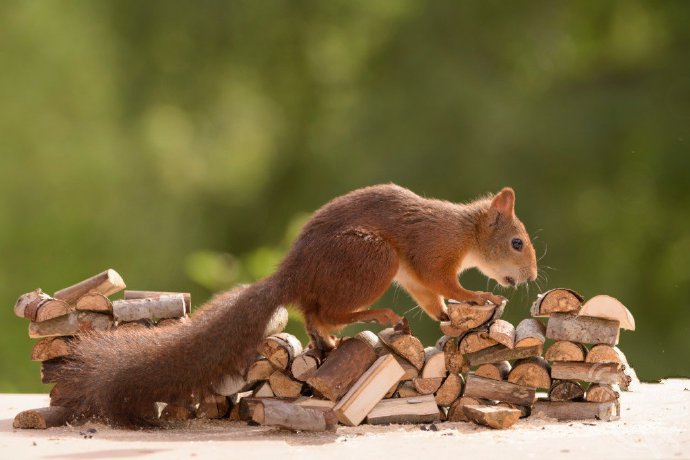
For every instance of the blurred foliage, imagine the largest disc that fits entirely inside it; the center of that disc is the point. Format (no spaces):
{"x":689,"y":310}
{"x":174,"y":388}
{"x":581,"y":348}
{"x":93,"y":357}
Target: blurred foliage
{"x":184,"y":143}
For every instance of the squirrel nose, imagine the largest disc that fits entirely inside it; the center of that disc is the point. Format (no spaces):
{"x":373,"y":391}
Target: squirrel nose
{"x":533,"y":277}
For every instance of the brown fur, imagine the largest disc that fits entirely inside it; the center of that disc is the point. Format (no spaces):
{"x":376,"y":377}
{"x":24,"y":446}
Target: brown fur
{"x":345,"y":258}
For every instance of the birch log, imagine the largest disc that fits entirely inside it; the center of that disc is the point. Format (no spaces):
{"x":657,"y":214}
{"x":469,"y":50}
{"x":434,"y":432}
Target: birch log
{"x":153,"y":308}
{"x":107,"y":283}
{"x":582,"y":329}
{"x":133,"y":295}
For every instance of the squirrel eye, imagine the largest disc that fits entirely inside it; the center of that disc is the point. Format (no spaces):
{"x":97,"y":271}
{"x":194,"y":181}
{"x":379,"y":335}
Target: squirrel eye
{"x":517,"y":244}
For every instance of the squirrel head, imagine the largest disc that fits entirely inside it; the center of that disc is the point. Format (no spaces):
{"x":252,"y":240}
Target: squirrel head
{"x":505,"y":252}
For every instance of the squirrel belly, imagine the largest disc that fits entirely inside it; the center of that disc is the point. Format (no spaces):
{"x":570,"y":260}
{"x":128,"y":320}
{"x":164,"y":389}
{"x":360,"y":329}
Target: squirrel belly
{"x":345,"y":258}
{"x":117,"y":376}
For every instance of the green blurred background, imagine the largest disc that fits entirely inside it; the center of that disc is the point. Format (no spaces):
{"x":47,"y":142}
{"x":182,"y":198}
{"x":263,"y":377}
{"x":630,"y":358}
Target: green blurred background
{"x":185,"y":143}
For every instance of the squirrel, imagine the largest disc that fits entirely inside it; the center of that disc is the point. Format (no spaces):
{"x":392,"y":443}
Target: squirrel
{"x":344,"y":259}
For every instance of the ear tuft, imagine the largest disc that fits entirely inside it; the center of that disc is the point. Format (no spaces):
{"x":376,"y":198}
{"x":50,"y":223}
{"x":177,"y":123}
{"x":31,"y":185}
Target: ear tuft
{"x":504,"y":201}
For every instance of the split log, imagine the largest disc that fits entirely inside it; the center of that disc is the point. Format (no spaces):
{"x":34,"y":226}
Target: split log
{"x":605,"y":354}
{"x":50,"y":370}
{"x":304,"y":366}
{"x":582,"y":329}
{"x":448,"y":329}
{"x":525,"y":411}
{"x":610,"y":373}
{"x":564,"y":350}
{"x":38,"y":306}
{"x":94,"y":301}
{"x":368,"y":390}
{"x":480,"y":387}
{"x":494,"y":371}
{"x":492,"y":416}
{"x":134,"y":295}
{"x":604,"y":306}
{"x":576,"y":410}
{"x":309,"y":401}
{"x":529,"y":332}
{"x":475,"y":341}
{"x":427,"y":386}
{"x":284,"y":386}
{"x":531,"y":372}
{"x":434,"y":363}
{"x":280,"y":349}
{"x":42,"y":418}
{"x":557,"y":301}
{"x":259,"y":370}
{"x":465,"y":316}
{"x":213,"y":407}
{"x":342,"y":368}
{"x":455,"y":361}
{"x":599,"y":392}
{"x":498,"y":353}
{"x":274,"y":412}
{"x":164,"y":306}
{"x":107,"y":283}
{"x":264,"y":390}
{"x":50,"y":347}
{"x":503,"y":332}
{"x":456,"y":412}
{"x":417,"y":409}
{"x":566,"y":390}
{"x":411,"y":372}
{"x":406,"y":389}
{"x":449,"y":391}
{"x":405,"y":345}
{"x":72,"y":324}
{"x":374,"y":342}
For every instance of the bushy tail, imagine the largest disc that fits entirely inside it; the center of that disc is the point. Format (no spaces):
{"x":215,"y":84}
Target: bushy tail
{"x":117,"y":375}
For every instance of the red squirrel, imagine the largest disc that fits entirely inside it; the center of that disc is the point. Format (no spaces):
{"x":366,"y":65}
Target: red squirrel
{"x":345,"y":258}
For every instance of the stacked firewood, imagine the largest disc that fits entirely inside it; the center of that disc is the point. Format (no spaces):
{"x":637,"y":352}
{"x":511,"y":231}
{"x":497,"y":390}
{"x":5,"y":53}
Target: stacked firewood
{"x":58,"y":320}
{"x":483,"y":369}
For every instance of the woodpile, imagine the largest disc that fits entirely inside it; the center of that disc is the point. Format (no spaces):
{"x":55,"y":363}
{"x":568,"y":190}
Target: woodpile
{"x":483,"y":369}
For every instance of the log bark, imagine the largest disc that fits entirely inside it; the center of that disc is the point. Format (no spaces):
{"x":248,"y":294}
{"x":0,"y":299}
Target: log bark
{"x":304,"y":366}
{"x":503,"y":332}
{"x":284,"y":386}
{"x":164,"y":306}
{"x":566,"y":390}
{"x":498,"y":353}
{"x":38,"y":306}
{"x":416,"y":409}
{"x":280,"y":349}
{"x":564,"y":350}
{"x":371,"y":387}
{"x":604,"y":306}
{"x":599,"y":392}
{"x":72,"y":324}
{"x":456,"y":412}
{"x":374,"y":342}
{"x":557,"y":301}
{"x":434,"y":363}
{"x":259,"y":370}
{"x":494,"y":371}
{"x":455,"y":361}
{"x":465,"y":316}
{"x":576,"y":410}
{"x":450,"y":390}
{"x":492,"y":416}
{"x":342,"y":368}
{"x":213,"y":407}
{"x":531,"y":372}
{"x":94,"y":301}
{"x":42,"y":418}
{"x":134,"y":295}
{"x":480,"y":387}
{"x":604,"y":354}
{"x":529,"y":332}
{"x":290,"y":416}
{"x":50,"y":347}
{"x":427,"y":386}
{"x":475,"y":341}
{"x":582,"y":329}
{"x":107,"y":283}
{"x":405,"y":345}
{"x":609,"y":373}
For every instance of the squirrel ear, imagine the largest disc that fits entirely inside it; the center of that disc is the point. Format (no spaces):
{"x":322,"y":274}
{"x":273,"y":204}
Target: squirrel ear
{"x":504,"y":201}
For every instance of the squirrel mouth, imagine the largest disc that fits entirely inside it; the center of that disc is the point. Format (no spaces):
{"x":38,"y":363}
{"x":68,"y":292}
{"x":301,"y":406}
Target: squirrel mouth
{"x":510,"y":280}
